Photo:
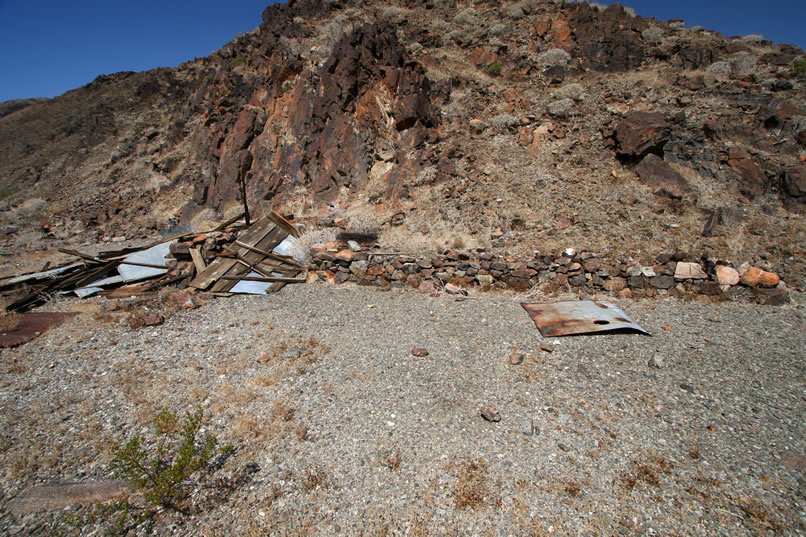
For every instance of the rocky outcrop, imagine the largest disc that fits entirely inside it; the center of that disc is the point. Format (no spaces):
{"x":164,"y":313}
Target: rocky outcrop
{"x":656,"y":173}
{"x":323,"y":130}
{"x":498,"y":124}
{"x":750,"y":175}
{"x":609,"y":40}
{"x":641,"y":133}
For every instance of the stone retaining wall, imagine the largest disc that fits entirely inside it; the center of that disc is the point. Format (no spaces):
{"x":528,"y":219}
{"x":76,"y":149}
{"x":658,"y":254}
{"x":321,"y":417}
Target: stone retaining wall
{"x":581,"y":272}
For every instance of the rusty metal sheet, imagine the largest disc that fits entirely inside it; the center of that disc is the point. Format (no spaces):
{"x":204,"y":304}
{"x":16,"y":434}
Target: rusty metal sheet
{"x":32,"y":325}
{"x":579,"y":317}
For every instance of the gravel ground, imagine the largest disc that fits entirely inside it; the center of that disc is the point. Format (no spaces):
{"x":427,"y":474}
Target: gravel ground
{"x":345,"y":432}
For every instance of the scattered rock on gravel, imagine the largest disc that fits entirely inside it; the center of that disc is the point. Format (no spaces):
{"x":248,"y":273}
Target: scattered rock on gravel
{"x":490,"y":413}
{"x":419,"y":352}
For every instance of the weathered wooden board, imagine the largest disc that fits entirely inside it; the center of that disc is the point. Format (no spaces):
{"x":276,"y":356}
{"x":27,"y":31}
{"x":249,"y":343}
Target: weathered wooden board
{"x":264,"y":234}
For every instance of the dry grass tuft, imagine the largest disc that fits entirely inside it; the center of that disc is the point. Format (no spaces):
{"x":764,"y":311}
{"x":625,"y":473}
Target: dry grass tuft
{"x":573,"y":488}
{"x":758,"y":516}
{"x":471,"y":490}
{"x":9,"y":322}
{"x":390,"y":459}
{"x":647,"y":471}
{"x":315,"y":477}
{"x":281,"y":410}
{"x":17,"y":368}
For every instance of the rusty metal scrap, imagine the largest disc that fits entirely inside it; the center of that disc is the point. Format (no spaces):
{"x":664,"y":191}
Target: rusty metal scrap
{"x":579,"y":317}
{"x":32,"y":325}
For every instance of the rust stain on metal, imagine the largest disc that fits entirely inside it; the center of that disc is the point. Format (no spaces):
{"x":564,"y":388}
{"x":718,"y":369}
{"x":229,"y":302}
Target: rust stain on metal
{"x":31,"y":326}
{"x":579,"y":317}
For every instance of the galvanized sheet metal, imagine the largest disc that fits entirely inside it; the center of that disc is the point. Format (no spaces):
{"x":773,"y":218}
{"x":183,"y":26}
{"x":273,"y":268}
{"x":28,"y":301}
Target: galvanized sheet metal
{"x":579,"y":317}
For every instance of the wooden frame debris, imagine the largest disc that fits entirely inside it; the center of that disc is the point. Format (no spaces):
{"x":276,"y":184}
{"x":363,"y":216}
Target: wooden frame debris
{"x":236,"y":253}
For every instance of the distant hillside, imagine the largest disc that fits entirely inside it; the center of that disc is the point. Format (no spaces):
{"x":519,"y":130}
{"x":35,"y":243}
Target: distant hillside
{"x":514,"y":126}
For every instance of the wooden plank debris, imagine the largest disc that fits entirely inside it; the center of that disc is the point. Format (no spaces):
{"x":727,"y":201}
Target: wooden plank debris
{"x":214,"y":260}
{"x":198,"y":259}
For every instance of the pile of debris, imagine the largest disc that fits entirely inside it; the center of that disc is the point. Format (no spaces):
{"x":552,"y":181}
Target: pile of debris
{"x":232,"y":258}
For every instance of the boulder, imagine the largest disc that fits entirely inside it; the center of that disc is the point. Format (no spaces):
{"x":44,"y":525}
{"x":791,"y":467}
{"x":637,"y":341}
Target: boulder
{"x":727,"y":275}
{"x":754,"y":276}
{"x":656,"y":173}
{"x":752,"y":180}
{"x":794,"y":183}
{"x":641,"y":133}
{"x":689,"y":271}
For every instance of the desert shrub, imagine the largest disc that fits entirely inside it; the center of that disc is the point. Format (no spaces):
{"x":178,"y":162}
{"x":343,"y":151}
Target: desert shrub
{"x":495,"y":69}
{"x":800,"y":64}
{"x":302,"y":248}
{"x":238,"y":60}
{"x":652,"y":35}
{"x":561,"y":108}
{"x":743,"y":62}
{"x":504,"y":121}
{"x":498,"y":29}
{"x":555,"y":56}
{"x":467,"y":16}
{"x":570,"y":91}
{"x":162,"y":469}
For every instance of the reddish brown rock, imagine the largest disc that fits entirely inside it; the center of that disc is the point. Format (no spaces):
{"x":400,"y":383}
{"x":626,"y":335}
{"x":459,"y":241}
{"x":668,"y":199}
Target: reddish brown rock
{"x":752,"y":180}
{"x":727,"y":275}
{"x":615,"y":284}
{"x":754,"y":276}
{"x":524,"y":273}
{"x":794,"y":182}
{"x":641,"y":133}
{"x":419,"y":352}
{"x":654,"y":172}
{"x":592,"y":265}
{"x":153,"y":319}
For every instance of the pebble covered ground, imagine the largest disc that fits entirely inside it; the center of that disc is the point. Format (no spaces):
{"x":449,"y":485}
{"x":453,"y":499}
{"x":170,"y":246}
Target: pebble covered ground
{"x":340,"y":429}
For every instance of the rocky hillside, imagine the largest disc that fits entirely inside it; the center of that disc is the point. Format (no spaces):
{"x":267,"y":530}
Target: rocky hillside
{"x":509,"y":126}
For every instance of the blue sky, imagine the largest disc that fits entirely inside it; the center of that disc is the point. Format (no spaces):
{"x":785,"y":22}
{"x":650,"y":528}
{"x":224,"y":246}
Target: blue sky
{"x":48,"y":47}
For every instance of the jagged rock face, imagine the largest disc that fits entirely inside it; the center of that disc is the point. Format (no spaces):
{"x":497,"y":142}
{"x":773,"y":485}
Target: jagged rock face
{"x":326,"y":132}
{"x":640,"y":133}
{"x":609,"y":40}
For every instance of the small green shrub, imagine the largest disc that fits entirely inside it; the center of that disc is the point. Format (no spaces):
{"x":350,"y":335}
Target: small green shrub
{"x":238,"y":60}
{"x":495,"y":69}
{"x":162,"y":469}
{"x":800,"y":64}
